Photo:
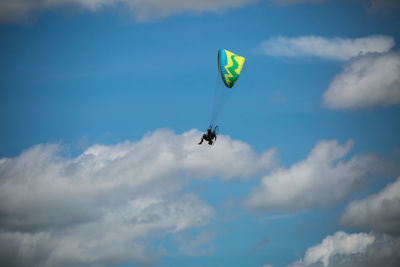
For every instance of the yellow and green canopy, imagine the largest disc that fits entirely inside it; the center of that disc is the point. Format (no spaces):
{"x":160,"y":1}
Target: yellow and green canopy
{"x":229,"y":65}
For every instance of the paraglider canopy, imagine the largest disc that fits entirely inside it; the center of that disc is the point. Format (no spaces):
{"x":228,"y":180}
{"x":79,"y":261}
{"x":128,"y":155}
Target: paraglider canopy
{"x":229,"y":66}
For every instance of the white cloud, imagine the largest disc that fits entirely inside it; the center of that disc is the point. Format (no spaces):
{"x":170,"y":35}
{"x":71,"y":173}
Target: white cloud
{"x":103,"y":207}
{"x":339,"y":243}
{"x":324,"y":178}
{"x":110,"y":239}
{"x":366,"y":81}
{"x":16,"y":10}
{"x":379,"y":212}
{"x":352,"y":250}
{"x":329,"y":48}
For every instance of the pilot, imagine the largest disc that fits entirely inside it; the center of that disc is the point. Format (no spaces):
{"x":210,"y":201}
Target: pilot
{"x":209,"y":136}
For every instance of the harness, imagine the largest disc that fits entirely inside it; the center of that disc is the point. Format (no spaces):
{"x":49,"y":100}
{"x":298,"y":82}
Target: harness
{"x":209,"y":137}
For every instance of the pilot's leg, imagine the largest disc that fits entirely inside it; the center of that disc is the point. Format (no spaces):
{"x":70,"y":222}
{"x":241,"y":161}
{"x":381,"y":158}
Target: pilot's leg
{"x":201,"y":141}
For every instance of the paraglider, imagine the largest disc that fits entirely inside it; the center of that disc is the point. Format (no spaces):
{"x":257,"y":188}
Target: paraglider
{"x":229,"y":67}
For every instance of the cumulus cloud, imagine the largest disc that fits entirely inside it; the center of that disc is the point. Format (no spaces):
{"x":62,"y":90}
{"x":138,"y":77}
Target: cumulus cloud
{"x":324,"y":178}
{"x":110,"y":239}
{"x":102,"y":207}
{"x":330,"y":48}
{"x":352,"y":250}
{"x":366,"y":81}
{"x":339,"y":243}
{"x":379,"y":212}
{"x":16,"y":10}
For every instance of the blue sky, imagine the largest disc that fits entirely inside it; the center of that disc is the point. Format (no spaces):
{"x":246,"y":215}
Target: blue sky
{"x":103,"y":103}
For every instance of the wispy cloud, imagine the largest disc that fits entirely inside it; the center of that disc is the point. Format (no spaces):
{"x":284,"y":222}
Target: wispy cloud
{"x":100,"y":208}
{"x":330,"y":48}
{"x":19,"y":10}
{"x":196,"y":246}
{"x":366,"y":81}
{"x":260,"y":244}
